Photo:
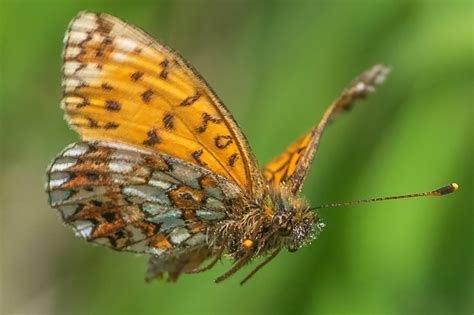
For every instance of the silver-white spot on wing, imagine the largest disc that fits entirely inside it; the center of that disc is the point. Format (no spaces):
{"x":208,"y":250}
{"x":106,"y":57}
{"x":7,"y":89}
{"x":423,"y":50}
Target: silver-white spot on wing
{"x":57,"y":179}
{"x":168,"y":219}
{"x":63,"y":163}
{"x":214,"y":192}
{"x":121,"y":167}
{"x":148,"y":193}
{"x":214,"y":204}
{"x":83,"y":228}
{"x":127,"y":155}
{"x":196,"y":239}
{"x":127,"y":179}
{"x":186,"y":175}
{"x":158,"y":175}
{"x":179,"y":234}
{"x":57,"y":197}
{"x":76,"y":150}
{"x":160,"y":184}
{"x":68,"y":210}
{"x":210,"y":215}
{"x":152,"y":209}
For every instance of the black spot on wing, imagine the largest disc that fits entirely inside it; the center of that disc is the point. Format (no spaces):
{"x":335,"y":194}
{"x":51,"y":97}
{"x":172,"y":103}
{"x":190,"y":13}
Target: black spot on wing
{"x":197,"y":157}
{"x":112,"y":106}
{"x":152,"y":138}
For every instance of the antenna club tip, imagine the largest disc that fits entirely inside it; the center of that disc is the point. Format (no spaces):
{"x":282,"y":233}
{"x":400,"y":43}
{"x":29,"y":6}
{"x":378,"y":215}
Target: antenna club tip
{"x":446,"y":189}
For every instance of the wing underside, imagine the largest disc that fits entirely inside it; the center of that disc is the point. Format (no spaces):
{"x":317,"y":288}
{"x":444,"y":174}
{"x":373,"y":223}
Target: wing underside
{"x":131,"y":200}
{"x":291,"y":167}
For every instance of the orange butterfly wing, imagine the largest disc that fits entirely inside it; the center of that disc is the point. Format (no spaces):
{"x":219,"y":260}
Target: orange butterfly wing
{"x":291,"y":167}
{"x":279,"y":169}
{"x":121,"y":85}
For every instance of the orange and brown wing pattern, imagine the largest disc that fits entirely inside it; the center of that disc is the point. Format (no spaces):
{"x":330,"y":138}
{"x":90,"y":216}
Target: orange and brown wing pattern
{"x":291,"y":167}
{"x":121,"y":85}
{"x":283,"y":166}
{"x":131,"y":200}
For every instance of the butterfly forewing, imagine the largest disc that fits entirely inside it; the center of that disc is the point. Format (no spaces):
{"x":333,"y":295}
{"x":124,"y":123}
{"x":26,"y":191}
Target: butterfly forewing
{"x":132,"y":200}
{"x":279,"y":169}
{"x":291,"y":167}
{"x":121,"y":85}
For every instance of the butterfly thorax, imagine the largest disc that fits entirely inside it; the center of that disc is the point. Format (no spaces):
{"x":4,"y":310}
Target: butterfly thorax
{"x":279,"y":220}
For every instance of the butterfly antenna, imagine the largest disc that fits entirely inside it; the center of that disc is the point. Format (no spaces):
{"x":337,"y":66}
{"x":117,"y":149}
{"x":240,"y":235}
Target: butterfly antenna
{"x":438,"y":192}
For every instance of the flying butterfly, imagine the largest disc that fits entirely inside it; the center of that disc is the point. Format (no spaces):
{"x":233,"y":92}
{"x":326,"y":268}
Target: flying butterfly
{"x":163,"y":169}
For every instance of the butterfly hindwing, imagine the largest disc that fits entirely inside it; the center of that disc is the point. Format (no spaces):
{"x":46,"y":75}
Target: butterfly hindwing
{"x":291,"y":167}
{"x":133,"y":200}
{"x":121,"y":85}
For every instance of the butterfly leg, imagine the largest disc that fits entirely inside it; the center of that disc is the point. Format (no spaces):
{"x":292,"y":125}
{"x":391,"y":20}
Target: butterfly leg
{"x":260,"y":266}
{"x":239,"y":264}
{"x":206,"y":268}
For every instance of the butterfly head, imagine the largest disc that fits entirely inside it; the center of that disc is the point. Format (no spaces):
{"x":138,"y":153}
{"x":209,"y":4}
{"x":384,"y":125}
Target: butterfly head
{"x":296,"y":224}
{"x":304,"y":231}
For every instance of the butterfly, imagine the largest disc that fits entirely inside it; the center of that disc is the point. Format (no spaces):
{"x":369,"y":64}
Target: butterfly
{"x":163,"y":168}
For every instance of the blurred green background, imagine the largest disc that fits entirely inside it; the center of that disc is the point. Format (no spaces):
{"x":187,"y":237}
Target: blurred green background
{"x":276,"y":65}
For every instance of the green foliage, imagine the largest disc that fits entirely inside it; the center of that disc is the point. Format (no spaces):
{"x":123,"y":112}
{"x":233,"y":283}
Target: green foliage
{"x":277,"y":65}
